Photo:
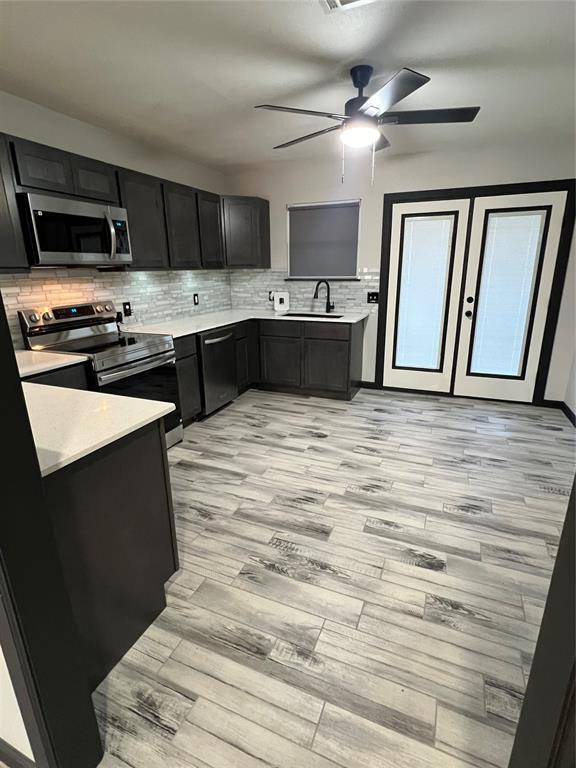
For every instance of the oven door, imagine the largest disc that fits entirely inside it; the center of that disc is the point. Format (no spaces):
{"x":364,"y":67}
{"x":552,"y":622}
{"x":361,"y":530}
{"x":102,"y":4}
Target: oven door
{"x":154,"y":378}
{"x":71,"y":232}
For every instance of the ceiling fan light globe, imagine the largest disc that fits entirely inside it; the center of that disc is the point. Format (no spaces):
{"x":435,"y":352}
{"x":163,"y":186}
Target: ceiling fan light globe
{"x":359,"y":135}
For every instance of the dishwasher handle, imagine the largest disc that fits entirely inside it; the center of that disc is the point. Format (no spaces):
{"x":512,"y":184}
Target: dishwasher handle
{"x":218,"y":340}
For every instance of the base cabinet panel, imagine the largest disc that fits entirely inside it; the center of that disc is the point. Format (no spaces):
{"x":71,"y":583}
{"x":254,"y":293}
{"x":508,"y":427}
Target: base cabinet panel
{"x":114,"y":528}
{"x":325,"y":364}
{"x":73,"y":377}
{"x":280,"y":360}
{"x":189,"y":387}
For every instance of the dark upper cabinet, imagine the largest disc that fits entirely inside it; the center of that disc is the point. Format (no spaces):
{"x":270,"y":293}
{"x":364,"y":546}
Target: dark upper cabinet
{"x":94,"y":179}
{"x":182,"y":226}
{"x":325,"y":364}
{"x":280,"y":360}
{"x":141,"y":195}
{"x":210,"y":222}
{"x":43,"y":167}
{"x":246,"y":231}
{"x":12,"y":251}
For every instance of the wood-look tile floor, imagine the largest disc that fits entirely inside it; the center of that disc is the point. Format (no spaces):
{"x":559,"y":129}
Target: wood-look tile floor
{"x":361,"y":586}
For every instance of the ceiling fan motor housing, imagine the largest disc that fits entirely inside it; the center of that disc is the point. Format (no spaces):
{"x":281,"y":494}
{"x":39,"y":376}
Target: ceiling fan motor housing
{"x":353,"y":105}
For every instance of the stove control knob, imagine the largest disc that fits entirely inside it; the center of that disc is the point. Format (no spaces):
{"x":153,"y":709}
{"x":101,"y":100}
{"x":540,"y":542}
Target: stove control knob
{"x":34,"y":318}
{"x":99,"y":308}
{"x":109,"y":307}
{"x":48,"y":316}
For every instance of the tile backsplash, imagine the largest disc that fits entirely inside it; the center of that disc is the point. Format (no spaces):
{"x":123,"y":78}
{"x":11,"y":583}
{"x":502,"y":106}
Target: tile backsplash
{"x":154,"y":295}
{"x":250,"y":289}
{"x":166,"y":295}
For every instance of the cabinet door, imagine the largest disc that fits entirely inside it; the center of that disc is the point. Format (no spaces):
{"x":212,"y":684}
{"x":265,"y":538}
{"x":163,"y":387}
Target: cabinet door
{"x":142,"y":197}
{"x":43,"y":167}
{"x":12,"y":252}
{"x":94,"y":179}
{"x":182,"y":227}
{"x":242,"y":363}
{"x":210,"y":221}
{"x":280,"y":360}
{"x":241,"y":234}
{"x":325,"y":365}
{"x":189,"y":387}
{"x":246,"y":231}
{"x":72,"y":377}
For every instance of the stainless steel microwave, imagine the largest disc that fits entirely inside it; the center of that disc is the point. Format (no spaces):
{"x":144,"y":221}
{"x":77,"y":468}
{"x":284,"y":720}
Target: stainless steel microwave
{"x":66,"y":232}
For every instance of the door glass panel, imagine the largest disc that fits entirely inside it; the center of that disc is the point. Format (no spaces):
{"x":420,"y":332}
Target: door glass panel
{"x":509,"y":267}
{"x":425,"y":260}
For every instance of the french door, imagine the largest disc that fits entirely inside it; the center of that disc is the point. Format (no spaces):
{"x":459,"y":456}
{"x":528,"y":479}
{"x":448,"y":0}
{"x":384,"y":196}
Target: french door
{"x":469,"y":286}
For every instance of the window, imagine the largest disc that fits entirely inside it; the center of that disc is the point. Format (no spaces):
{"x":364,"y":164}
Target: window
{"x":323,"y":239}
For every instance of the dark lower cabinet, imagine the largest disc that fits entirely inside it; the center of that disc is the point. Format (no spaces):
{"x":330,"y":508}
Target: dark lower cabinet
{"x":210,"y":223}
{"x":141,"y":195}
{"x":182,"y":226}
{"x":114,"y":527}
{"x":325,"y":364}
{"x":280,"y":360}
{"x":73,"y":377}
{"x":242,"y":364}
{"x":189,"y":387}
{"x":12,"y":251}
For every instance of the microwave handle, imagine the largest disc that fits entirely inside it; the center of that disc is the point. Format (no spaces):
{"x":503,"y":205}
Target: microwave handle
{"x":112,"y":236}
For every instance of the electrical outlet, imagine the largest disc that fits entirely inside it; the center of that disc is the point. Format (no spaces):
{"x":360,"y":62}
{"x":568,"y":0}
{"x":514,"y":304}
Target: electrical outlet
{"x":373,"y":297}
{"x":196,"y":299}
{"x":126,"y":308}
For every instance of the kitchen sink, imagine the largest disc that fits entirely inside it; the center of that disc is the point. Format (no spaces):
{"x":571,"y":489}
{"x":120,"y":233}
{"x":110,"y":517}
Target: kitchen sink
{"x":312,"y":314}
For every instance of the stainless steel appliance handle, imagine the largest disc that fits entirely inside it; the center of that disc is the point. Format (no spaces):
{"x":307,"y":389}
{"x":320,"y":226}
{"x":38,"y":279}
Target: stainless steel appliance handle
{"x":219,"y":339}
{"x":112,"y":235}
{"x":133,"y":369}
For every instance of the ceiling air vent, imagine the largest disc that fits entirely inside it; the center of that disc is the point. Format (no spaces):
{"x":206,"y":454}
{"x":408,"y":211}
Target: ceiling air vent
{"x":343,"y":5}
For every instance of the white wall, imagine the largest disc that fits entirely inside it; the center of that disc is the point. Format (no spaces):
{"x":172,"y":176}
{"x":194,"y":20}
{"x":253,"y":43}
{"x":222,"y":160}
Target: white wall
{"x":36,"y":123}
{"x":297,"y":182}
{"x":12,"y":728}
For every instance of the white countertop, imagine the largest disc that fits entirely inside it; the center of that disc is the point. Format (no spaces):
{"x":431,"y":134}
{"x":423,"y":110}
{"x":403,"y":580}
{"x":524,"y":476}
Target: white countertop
{"x":68,"y":424}
{"x":31,"y":363}
{"x":184,"y":326}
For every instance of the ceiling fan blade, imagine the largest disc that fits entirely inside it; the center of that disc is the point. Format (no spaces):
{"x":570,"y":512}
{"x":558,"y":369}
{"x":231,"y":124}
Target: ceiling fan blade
{"x":382,"y":143}
{"x":295,"y":111}
{"x":422,"y":116}
{"x":308,"y":136}
{"x":402,"y":84}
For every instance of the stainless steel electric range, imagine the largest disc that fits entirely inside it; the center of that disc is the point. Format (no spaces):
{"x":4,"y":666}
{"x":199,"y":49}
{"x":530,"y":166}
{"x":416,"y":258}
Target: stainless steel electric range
{"x":123,"y":363}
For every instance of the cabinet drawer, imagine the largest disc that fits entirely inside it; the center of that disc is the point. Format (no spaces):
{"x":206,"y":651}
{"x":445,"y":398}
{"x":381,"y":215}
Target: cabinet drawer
{"x":185,"y":345}
{"x":315,"y":330}
{"x":72,"y":377}
{"x":241,"y":330}
{"x":280,"y":328}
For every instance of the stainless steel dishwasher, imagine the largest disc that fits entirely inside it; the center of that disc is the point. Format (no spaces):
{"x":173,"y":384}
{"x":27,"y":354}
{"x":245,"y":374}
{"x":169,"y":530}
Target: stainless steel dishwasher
{"x":218,"y":366}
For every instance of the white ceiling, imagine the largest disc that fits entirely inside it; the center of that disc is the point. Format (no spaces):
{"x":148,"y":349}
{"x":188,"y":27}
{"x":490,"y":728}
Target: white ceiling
{"x":187,"y":74}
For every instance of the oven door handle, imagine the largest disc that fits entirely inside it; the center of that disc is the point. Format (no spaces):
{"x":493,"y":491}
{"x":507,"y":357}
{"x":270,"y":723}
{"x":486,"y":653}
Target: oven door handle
{"x":132,"y":369}
{"x":219,"y":339}
{"x":112,"y":236}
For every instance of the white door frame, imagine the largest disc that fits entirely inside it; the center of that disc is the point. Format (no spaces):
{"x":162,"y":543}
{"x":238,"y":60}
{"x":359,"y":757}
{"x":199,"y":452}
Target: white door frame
{"x":472,"y":194}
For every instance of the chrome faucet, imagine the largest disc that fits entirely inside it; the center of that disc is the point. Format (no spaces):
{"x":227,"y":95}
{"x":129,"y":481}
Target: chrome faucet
{"x":329,"y":304}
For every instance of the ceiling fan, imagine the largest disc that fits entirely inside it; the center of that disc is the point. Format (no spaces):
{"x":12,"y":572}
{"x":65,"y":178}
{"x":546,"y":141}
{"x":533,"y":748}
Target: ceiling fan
{"x":363,"y":117}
